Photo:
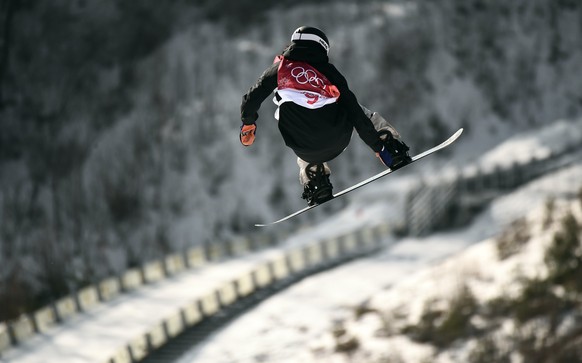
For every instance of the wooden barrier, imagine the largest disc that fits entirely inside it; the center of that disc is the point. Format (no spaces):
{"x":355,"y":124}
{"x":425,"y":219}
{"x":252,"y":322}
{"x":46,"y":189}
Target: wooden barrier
{"x":174,"y":264}
{"x":314,"y":253}
{"x":105,"y":290}
{"x":153,"y":272}
{"x":382,"y":231}
{"x":279,"y":268}
{"x":191,"y":314}
{"x":262,"y":275}
{"x":156,"y":337}
{"x":22,"y":329}
{"x":88,"y":298}
{"x":365,"y":238}
{"x":4,"y":337}
{"x":349,"y":243}
{"x":245,"y":285}
{"x":331,"y":248}
{"x":109,"y":288}
{"x":214,"y":251}
{"x":209,"y":304}
{"x":138,"y":348}
{"x":174,"y":325}
{"x":121,"y":356}
{"x":296,"y":260}
{"x":44,"y":318}
{"x":227,"y":294}
{"x":195,"y":257}
{"x":449,"y":202}
{"x":240,"y":246}
{"x":131,"y":280}
{"x":65,"y":308}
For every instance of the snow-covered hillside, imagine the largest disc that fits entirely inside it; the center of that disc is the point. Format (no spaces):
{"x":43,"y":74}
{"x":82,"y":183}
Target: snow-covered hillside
{"x":498,"y":301}
{"x":482,"y":293}
{"x":104,"y":170}
{"x":368,"y":310}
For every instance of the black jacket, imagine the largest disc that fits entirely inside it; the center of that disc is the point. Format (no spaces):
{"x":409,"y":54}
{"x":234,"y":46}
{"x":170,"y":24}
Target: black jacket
{"x":315,"y":135}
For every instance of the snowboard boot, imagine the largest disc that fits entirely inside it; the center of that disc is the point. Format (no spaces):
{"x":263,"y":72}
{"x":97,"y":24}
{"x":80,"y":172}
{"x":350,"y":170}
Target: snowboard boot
{"x":397,"y":148}
{"x":319,"y":188}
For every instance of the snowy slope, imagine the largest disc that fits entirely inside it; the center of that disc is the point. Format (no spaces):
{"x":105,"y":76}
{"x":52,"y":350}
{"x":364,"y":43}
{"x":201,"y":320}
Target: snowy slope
{"x":169,"y":172}
{"x":96,"y":335}
{"x":297,"y":325}
{"x":479,"y":268}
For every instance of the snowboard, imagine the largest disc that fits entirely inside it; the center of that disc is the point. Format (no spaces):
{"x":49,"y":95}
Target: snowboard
{"x":382,"y":174}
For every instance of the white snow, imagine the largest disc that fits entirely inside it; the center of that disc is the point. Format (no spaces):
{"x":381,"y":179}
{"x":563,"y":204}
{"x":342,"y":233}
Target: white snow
{"x":96,"y":335}
{"x":535,"y":144}
{"x":426,"y":69}
{"x":295,"y":325}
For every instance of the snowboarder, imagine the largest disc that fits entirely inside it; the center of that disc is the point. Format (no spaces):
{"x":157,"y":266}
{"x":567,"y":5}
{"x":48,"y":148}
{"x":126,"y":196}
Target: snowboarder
{"x":317,"y":113}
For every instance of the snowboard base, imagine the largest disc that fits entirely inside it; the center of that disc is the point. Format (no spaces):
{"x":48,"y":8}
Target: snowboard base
{"x":382,"y":174}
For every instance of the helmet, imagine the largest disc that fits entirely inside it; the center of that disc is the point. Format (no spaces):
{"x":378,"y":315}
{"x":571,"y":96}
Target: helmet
{"x":313,"y":34}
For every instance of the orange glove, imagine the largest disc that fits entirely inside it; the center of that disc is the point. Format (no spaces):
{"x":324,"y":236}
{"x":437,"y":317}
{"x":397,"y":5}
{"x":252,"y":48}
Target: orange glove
{"x":247,"y":134}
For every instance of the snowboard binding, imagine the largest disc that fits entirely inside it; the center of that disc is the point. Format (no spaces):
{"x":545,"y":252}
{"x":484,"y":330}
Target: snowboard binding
{"x":319,"y":189}
{"x":397,"y":148}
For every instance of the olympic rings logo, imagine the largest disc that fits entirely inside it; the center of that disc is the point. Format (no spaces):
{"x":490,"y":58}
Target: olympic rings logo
{"x":303,"y":76}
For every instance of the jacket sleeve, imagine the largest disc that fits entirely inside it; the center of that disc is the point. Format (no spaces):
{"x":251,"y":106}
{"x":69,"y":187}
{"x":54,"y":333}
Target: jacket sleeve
{"x":361,"y":122}
{"x":252,"y":100}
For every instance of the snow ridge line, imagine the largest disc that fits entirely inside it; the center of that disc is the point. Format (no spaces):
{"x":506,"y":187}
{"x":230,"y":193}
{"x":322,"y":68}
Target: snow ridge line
{"x":28,"y":325}
{"x":202,"y":316}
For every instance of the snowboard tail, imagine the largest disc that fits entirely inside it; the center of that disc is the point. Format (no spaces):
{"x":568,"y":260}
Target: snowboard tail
{"x":382,"y":174}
